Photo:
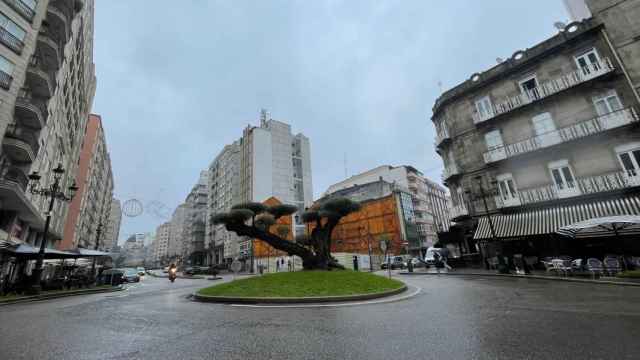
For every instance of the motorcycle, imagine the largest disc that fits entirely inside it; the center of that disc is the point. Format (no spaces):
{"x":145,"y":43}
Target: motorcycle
{"x":173,"y":274}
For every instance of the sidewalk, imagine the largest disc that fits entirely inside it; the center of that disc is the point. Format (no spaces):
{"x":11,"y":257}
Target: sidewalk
{"x":7,"y":300}
{"x":536,"y":274}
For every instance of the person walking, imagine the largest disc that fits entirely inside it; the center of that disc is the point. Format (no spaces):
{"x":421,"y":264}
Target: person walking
{"x":289,"y":264}
{"x":277,"y":265}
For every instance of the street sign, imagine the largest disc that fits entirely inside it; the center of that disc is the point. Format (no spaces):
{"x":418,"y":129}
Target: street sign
{"x":383,"y":246}
{"x":235,"y":266}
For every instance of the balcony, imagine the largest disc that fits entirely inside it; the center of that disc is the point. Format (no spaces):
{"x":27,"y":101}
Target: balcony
{"x":442,"y":136}
{"x":449,"y":172}
{"x":5,"y":80}
{"x":458,"y":212}
{"x":546,"y":89}
{"x":575,"y":131}
{"x":50,"y":51}
{"x":20,"y":144}
{"x":28,"y":112}
{"x":21,"y":8}
{"x":10,"y":41}
{"x":39,"y":81}
{"x":582,"y":186}
{"x":59,"y":22}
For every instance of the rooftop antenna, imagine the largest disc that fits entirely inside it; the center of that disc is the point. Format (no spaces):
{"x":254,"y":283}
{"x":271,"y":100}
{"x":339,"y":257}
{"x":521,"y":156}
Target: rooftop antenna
{"x":559,"y":25}
{"x":263,"y":117}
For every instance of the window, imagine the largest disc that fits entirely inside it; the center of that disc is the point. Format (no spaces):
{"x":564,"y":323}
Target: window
{"x":629,"y":157}
{"x":529,"y":86}
{"x":563,"y":178}
{"x":493,"y":140}
{"x":545,"y":130}
{"x":12,"y":27}
{"x":588,"y":61}
{"x":507,"y":188}
{"x":484,"y":107}
{"x":6,"y":66}
{"x":607,"y":103}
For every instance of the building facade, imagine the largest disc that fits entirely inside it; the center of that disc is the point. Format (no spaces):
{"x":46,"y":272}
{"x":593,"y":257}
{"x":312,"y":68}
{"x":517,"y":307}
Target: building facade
{"x":267,"y":161}
{"x":47,"y":85}
{"x":161,"y":249}
{"x":547,"y":138}
{"x":113,"y":226}
{"x":430,"y":206}
{"x":195,"y":218}
{"x":91,"y":207}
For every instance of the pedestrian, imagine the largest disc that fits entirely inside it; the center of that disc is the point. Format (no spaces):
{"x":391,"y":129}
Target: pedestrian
{"x":289,"y":264}
{"x":277,"y":265}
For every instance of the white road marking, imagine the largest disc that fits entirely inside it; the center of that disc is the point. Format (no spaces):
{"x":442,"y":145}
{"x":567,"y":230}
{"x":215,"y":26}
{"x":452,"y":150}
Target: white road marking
{"x":379,"y":301}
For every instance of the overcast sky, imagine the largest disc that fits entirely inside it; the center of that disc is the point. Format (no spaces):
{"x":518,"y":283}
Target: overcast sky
{"x":177,"y":80}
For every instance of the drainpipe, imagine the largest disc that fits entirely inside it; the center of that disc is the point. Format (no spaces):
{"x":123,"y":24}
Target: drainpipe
{"x":619,"y":61}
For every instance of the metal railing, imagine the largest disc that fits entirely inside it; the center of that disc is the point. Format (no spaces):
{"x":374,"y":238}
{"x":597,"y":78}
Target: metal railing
{"x":582,"y":186}
{"x":20,"y":133}
{"x":15,"y":175}
{"x":441,"y":136}
{"x":11,"y":41}
{"x":5,"y":80}
{"x":21,"y":8}
{"x":450,"y":171}
{"x":458,"y":211}
{"x":548,"y":88}
{"x":572,"y":132}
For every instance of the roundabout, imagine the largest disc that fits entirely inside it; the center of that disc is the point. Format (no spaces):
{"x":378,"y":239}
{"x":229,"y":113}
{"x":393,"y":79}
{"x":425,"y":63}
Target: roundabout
{"x":304,"y":287}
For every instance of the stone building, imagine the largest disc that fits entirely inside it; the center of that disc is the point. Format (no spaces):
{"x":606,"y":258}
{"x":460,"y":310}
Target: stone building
{"x":161,"y":248}
{"x":430,"y":205}
{"x":547,"y":138}
{"x":193,"y":238}
{"x":91,"y":207}
{"x":47,"y":85}
{"x":386,"y":212}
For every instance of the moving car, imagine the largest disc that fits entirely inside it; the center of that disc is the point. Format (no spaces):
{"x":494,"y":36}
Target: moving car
{"x":130,"y":275}
{"x":141,"y":271}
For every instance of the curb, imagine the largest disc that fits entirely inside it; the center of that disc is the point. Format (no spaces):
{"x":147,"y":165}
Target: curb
{"x":299,"y":300}
{"x":535,"y":277}
{"x":26,"y":299}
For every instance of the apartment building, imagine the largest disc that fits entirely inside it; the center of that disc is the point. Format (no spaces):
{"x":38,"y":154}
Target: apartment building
{"x":91,"y":207}
{"x":161,"y":249}
{"x":193,"y":239}
{"x":267,"y":161}
{"x":429,"y":203}
{"x":113,"y":225}
{"x":47,"y":84}
{"x":547,"y":138}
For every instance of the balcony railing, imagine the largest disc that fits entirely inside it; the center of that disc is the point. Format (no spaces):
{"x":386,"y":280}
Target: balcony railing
{"x":572,"y":132}
{"x":450,"y":171}
{"x":11,"y":41}
{"x":5,"y":80}
{"x":21,"y":8}
{"x":15,"y":175}
{"x":582,"y":186}
{"x":458,"y":211}
{"x":547,"y":88}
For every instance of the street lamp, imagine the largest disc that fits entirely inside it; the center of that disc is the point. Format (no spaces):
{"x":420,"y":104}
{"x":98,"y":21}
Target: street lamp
{"x":368,"y":237}
{"x":502,"y":267}
{"x":53,"y":192}
{"x":98,"y":233}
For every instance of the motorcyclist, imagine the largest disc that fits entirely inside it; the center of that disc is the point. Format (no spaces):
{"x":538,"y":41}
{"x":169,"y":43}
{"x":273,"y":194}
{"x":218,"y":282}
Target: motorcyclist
{"x":172,"y":272}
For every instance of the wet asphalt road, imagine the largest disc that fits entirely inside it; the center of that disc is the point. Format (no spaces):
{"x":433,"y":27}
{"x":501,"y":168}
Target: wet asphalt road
{"x":453,"y":317}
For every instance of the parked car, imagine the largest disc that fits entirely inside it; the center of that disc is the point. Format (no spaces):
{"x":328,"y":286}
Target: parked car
{"x":429,"y":257}
{"x":130,"y":275}
{"x":417,"y":262}
{"x":397,"y":262}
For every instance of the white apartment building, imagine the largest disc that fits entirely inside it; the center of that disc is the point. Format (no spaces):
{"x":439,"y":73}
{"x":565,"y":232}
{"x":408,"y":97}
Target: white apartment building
{"x":429,"y":199}
{"x":112,"y":231}
{"x":47,"y":84}
{"x":268,"y":160}
{"x":161,"y":248}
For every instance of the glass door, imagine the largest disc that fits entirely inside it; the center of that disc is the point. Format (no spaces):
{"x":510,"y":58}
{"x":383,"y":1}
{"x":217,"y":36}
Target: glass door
{"x":563,"y":179}
{"x":545,"y":130}
{"x":495,"y":146}
{"x":589,"y":64}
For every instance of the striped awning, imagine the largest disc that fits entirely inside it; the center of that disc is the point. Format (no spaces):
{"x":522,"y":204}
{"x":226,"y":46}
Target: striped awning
{"x":550,"y":220}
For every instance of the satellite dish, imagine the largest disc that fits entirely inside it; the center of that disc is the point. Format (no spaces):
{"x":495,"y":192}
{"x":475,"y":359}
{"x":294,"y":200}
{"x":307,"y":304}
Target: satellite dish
{"x":499,"y":60}
{"x":559,"y":25}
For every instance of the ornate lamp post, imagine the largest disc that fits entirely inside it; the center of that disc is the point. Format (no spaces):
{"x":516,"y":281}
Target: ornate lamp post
{"x":502,"y":266}
{"x":98,"y":233}
{"x":53,"y":192}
